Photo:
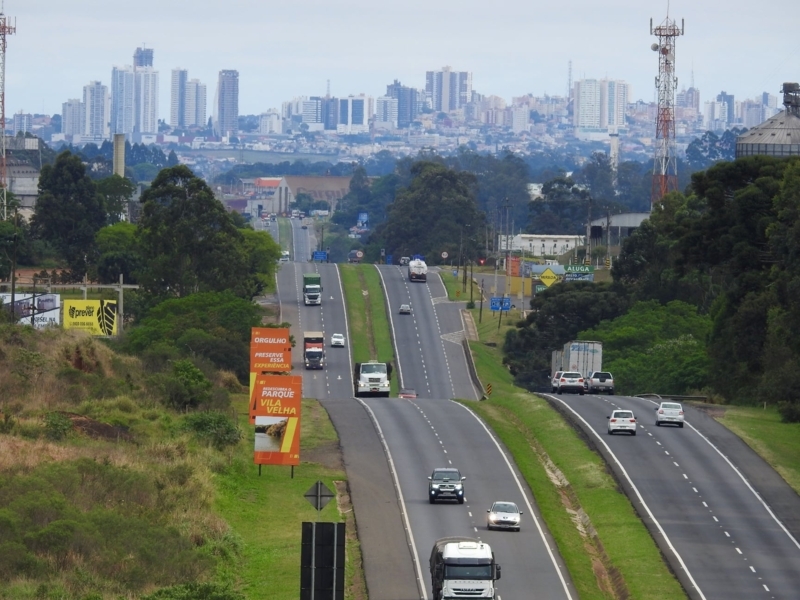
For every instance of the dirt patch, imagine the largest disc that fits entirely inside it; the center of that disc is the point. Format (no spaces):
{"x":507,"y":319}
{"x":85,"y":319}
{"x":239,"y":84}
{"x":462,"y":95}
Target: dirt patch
{"x":329,"y":455}
{"x":715,"y":411}
{"x":98,"y":430}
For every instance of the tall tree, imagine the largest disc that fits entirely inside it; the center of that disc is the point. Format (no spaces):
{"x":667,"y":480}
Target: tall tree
{"x":117,"y":192}
{"x":188,"y":241}
{"x":69,"y":212}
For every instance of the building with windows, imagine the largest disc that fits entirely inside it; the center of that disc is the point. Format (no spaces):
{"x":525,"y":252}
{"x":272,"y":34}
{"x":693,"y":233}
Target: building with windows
{"x":177,"y":104}
{"x":409,"y":102}
{"x":730,"y":105}
{"x":72,"y":117}
{"x":599,"y":106}
{"x":354,"y":114}
{"x":95,"y":110}
{"x":386,"y":109}
{"x":226,"y":109}
{"x":22,"y":122}
{"x":448,"y":90}
{"x":146,"y":100}
{"x":123,"y":100}
{"x":270,"y":122}
{"x":194,"y":113}
{"x":143,"y":57}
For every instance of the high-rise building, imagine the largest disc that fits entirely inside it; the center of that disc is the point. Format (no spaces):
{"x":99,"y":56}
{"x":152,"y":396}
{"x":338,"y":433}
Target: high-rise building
{"x":447,"y":89}
{"x":600,"y":104}
{"x":95,"y":110}
{"x":354,"y":114}
{"x":23,"y":122}
{"x":195,"y":107}
{"x":409,"y":102}
{"x":177,"y":104}
{"x":386,"y":113}
{"x":270,"y":122}
{"x":312,"y":111}
{"x":226,"y":106}
{"x":146,"y":100}
{"x":123,"y":100}
{"x":688,"y":99}
{"x":72,"y":115}
{"x":143,"y":57}
{"x":728,"y":100}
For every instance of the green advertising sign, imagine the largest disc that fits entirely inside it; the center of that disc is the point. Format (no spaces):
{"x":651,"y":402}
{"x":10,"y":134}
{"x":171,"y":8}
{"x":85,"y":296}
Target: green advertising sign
{"x":578,"y":269}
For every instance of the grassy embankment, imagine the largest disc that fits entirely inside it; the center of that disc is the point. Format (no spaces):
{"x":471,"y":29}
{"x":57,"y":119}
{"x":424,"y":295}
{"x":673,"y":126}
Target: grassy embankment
{"x":370,"y":338}
{"x":285,"y":235}
{"x":130,"y":497}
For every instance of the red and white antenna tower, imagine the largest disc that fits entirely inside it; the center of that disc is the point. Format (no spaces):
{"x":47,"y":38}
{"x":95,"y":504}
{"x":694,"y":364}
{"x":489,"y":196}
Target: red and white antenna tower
{"x":5,"y":30}
{"x":665,"y":167}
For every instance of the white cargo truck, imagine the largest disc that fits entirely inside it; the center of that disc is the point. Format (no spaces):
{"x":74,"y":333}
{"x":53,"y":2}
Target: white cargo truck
{"x":417,"y":270}
{"x":555,"y":362}
{"x":463,"y":567}
{"x":582,"y":356}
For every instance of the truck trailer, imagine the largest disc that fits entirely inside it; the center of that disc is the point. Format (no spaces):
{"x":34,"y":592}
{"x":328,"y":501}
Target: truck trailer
{"x":555,"y":362}
{"x":314,"y":349}
{"x":582,"y":356}
{"x":463,"y":567}
{"x":312,"y":289}
{"x":417,"y":270}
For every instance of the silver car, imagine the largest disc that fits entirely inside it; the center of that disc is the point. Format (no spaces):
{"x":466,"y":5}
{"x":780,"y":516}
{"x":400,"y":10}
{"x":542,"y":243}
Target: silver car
{"x":599,"y":381}
{"x":503,"y":515}
{"x":669,"y":412}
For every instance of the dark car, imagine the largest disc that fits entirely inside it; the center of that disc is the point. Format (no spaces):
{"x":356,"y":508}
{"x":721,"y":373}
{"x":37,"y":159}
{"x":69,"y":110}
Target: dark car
{"x":304,"y":227}
{"x":446,"y":483}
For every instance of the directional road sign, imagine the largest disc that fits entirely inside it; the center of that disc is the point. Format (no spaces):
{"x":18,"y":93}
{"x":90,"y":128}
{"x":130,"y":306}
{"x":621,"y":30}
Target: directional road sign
{"x":318,"y":495}
{"x":320,"y":255}
{"x":498,"y":303}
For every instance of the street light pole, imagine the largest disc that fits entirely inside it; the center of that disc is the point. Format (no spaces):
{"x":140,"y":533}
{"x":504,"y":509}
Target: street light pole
{"x":480,"y":312}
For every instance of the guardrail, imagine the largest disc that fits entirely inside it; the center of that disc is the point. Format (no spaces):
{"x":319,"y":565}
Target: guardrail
{"x":671,"y":397}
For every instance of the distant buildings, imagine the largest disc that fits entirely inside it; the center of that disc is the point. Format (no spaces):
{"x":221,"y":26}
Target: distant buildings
{"x":448,"y":90}
{"x":146,"y":100}
{"x":22,"y":122}
{"x":599,"y":106}
{"x":355,"y":113}
{"x":143,"y":57}
{"x":72,"y":117}
{"x":226,"y":122}
{"x":187,"y":101}
{"x":123,"y":100}
{"x":409,"y":102}
{"x":96,"y":111}
{"x":386,"y":112}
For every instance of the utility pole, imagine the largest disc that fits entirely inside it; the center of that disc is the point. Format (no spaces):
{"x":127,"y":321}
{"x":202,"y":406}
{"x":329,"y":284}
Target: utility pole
{"x":480,"y":312}
{"x":5,"y":30}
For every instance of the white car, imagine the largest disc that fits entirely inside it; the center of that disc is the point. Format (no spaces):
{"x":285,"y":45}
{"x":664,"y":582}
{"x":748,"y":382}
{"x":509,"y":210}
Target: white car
{"x":621,"y":420}
{"x":669,"y":412}
{"x":554,"y":381}
{"x":405,"y":309}
{"x":337,"y":339}
{"x":503,"y":515}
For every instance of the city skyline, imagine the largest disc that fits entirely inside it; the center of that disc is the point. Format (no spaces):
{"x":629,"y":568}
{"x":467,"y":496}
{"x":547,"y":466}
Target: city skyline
{"x":92,"y":36}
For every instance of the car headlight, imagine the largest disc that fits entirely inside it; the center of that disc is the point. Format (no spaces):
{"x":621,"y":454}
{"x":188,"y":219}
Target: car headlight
{"x":435,"y":486}
{"x":459,"y":486}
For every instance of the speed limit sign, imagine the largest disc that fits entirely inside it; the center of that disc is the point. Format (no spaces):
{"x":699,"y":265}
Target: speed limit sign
{"x":359,"y":254}
{"x":444,"y":255}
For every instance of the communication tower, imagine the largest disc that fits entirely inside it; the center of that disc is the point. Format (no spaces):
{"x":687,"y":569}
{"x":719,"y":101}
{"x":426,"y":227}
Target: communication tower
{"x":5,"y":30}
{"x":665,"y":166}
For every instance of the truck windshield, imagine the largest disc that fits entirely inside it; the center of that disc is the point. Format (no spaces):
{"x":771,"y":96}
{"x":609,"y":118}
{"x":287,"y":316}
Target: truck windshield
{"x":468,"y":571}
{"x":371,"y":369}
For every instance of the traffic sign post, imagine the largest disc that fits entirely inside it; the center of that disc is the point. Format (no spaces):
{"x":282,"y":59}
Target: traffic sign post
{"x":497,"y":303}
{"x":320,"y":255}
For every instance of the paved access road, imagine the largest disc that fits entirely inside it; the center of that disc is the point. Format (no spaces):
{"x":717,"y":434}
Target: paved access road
{"x":720,"y":536}
{"x":433,"y":431}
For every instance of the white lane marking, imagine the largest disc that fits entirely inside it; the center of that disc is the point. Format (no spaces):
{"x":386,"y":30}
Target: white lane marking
{"x":704,"y":504}
{"x":695,"y":490}
{"x":676,"y":464}
{"x":739,"y":551}
{"x":639,"y":496}
{"x":525,"y":496}
{"x":659,"y":443}
{"x":685,"y":476}
{"x":715,"y":518}
{"x":765,"y":586}
{"x":726,"y":534}
{"x":666,"y":452}
{"x":752,"y":568}
{"x":417,"y":565}
{"x":743,"y":478}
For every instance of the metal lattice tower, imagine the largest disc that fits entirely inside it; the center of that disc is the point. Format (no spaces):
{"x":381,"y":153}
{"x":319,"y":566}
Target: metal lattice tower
{"x":665,"y":166}
{"x":5,"y":30}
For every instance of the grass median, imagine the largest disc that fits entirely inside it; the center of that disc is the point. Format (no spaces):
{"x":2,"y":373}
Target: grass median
{"x":285,"y":236}
{"x":575,"y":480}
{"x":370,"y":337}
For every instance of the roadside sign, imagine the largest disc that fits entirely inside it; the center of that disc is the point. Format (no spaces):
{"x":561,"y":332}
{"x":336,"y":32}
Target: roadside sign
{"x":445,"y":255}
{"x":488,"y":389}
{"x":270,"y":350}
{"x":499,"y":303}
{"x":389,"y":259}
{"x":455,"y":272}
{"x":275,"y":411}
{"x":320,"y":255}
{"x":548,"y":277}
{"x":578,"y":268}
{"x":383,"y":251}
{"x":319,"y":495}
{"x":540,"y":288}
{"x":359,"y":254}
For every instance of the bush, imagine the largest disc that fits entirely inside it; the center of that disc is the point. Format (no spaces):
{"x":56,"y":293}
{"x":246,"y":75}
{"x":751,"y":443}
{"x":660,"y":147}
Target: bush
{"x":789,"y":411}
{"x":215,"y":428}
{"x":57,"y":425}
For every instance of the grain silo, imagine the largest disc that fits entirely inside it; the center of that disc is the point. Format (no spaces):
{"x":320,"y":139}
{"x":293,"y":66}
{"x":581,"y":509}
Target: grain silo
{"x":778,"y":136}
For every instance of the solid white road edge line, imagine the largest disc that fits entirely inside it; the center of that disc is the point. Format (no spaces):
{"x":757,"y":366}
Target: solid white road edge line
{"x":524,"y":495}
{"x":638,"y":495}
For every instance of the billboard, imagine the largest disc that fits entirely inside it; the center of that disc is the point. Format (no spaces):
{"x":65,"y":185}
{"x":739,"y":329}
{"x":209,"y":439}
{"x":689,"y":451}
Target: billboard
{"x":275,"y":410}
{"x":270,"y":350}
{"x":97,"y":317}
{"x":45,"y":309}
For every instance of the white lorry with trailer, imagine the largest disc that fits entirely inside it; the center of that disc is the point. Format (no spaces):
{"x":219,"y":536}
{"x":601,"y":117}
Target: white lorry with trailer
{"x":417,"y":270}
{"x":582,"y":356}
{"x":463,"y":567}
{"x":372,"y":379}
{"x":555,"y":362}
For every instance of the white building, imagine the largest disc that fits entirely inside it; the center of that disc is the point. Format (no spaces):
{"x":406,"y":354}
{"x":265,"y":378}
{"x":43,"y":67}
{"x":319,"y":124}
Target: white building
{"x":96,"y":112}
{"x":448,"y":90}
{"x":23,"y":122}
{"x":386,"y":112}
{"x":534,"y":244}
{"x":354,"y":114}
{"x":177,"y":103}
{"x":146,"y":100}
{"x":520,"y":115}
{"x":715,"y":116}
{"x":600,"y":104}
{"x":72,"y":117}
{"x":123,"y":94}
{"x":270,"y":122}
{"x":195,"y":108}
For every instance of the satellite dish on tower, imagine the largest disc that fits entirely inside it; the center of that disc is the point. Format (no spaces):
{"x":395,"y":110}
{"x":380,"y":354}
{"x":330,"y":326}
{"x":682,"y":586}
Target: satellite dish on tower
{"x":654,"y":47}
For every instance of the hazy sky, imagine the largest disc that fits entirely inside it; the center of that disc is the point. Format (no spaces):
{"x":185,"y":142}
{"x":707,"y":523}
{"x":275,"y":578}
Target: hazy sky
{"x":291,"y":48}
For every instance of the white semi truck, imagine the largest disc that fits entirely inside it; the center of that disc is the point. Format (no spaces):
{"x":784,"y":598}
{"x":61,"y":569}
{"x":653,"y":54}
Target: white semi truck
{"x":417,"y":270}
{"x":463,"y":567}
{"x":582,"y":356}
{"x":372,"y":379}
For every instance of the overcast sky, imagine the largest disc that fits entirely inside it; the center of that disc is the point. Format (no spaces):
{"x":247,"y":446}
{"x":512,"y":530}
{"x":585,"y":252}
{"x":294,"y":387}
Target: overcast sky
{"x":287,"y":48}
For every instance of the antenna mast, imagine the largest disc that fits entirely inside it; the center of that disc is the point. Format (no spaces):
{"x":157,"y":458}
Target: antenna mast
{"x":5,"y":30}
{"x":665,"y":165}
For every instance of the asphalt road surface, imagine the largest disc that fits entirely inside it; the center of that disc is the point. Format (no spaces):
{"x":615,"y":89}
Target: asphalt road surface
{"x":433,"y":431}
{"x":720,"y":535}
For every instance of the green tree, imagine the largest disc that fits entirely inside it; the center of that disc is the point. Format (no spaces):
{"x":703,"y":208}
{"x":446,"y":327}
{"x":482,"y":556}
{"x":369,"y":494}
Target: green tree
{"x":69,"y":212}
{"x":262,"y":253}
{"x":119,"y":253}
{"x":188,"y":241}
{"x":117,"y":192}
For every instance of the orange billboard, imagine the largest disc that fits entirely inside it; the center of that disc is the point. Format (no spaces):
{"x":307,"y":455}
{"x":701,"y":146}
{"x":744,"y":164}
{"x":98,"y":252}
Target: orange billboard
{"x":275,"y":410}
{"x":513,"y":267}
{"x":270,"y":350}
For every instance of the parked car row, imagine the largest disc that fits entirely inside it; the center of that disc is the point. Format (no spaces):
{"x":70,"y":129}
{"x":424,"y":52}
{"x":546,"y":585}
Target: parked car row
{"x":447,"y":483}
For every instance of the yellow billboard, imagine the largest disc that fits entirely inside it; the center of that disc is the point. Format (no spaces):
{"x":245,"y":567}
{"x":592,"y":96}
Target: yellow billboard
{"x":98,"y":317}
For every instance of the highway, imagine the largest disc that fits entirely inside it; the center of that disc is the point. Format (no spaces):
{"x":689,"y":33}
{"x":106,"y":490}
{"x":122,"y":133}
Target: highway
{"x":720,"y":536}
{"x":433,"y":431}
